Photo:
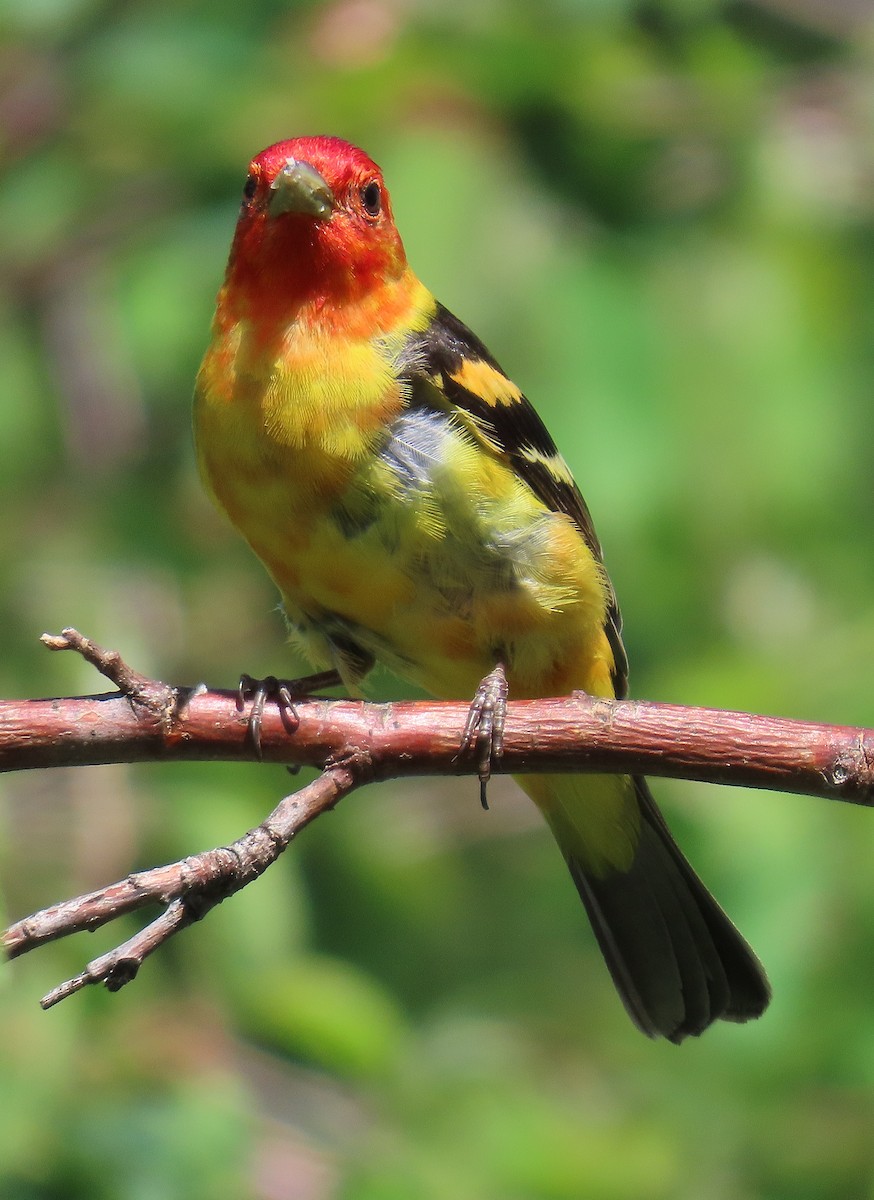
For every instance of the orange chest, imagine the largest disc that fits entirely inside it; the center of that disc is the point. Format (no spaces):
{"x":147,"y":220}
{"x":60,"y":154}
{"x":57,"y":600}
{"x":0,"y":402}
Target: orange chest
{"x":284,"y":437}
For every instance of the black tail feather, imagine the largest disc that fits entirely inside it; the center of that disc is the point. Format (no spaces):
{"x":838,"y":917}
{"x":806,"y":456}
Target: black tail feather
{"x":677,"y":961}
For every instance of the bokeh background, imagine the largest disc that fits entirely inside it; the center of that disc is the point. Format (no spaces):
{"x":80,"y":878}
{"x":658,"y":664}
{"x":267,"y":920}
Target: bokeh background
{"x":660,"y":216}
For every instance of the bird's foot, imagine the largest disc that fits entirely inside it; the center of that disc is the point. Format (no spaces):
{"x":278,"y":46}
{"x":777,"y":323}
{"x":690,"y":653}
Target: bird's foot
{"x":484,"y":731}
{"x":283,"y":691}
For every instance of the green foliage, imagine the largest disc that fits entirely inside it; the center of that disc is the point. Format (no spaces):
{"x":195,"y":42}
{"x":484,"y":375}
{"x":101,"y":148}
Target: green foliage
{"x":659,"y":217}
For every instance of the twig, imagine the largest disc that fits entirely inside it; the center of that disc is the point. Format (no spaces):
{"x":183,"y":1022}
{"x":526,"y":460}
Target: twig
{"x":158,"y":698}
{"x":188,"y":889}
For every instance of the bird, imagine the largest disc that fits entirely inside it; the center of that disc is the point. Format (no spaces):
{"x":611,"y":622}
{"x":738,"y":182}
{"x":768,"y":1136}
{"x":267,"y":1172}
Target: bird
{"x":413,"y":511}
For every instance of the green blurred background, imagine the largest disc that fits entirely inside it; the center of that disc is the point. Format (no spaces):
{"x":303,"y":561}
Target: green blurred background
{"x":661,"y":219}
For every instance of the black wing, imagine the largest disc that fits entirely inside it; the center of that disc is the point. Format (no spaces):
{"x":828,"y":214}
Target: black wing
{"x":447,"y":361}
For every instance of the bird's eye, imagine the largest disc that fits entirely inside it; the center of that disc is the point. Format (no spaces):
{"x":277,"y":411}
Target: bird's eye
{"x":371,"y":198}
{"x":250,"y":188}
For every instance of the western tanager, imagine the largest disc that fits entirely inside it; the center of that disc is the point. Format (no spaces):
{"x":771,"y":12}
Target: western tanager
{"x":413,"y":510}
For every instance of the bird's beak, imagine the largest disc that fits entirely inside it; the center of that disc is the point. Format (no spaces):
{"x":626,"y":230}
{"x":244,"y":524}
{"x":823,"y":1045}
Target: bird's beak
{"x":299,"y":188}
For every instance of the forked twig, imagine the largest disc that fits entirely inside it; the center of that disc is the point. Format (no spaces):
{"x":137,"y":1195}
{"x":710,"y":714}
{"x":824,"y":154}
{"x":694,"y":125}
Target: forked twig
{"x":187,"y":889}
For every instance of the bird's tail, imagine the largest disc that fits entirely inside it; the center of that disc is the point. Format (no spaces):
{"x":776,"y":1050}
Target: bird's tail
{"x":676,"y":959}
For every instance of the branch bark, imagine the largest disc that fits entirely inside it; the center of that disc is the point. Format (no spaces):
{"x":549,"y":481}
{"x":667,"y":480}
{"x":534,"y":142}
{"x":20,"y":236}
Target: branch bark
{"x":577,"y":733}
{"x":354,"y":742}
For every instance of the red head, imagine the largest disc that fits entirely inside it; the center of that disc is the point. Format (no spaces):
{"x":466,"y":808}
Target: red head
{"x":316,"y":226}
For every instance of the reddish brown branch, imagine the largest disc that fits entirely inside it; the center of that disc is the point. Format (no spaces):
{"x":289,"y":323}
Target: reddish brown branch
{"x":353,"y":742}
{"x":579,"y":733}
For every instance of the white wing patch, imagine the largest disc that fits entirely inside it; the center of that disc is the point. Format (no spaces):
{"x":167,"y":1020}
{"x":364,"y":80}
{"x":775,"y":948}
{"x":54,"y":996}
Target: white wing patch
{"x":416,"y":448}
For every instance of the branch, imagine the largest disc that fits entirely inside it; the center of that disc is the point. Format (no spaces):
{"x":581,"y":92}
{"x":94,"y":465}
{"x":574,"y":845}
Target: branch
{"x":577,"y":733}
{"x":354,"y":742}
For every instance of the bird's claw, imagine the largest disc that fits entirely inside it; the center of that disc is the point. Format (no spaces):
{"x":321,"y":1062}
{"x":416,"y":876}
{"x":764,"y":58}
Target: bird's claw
{"x":484,"y":730}
{"x":259,"y":691}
